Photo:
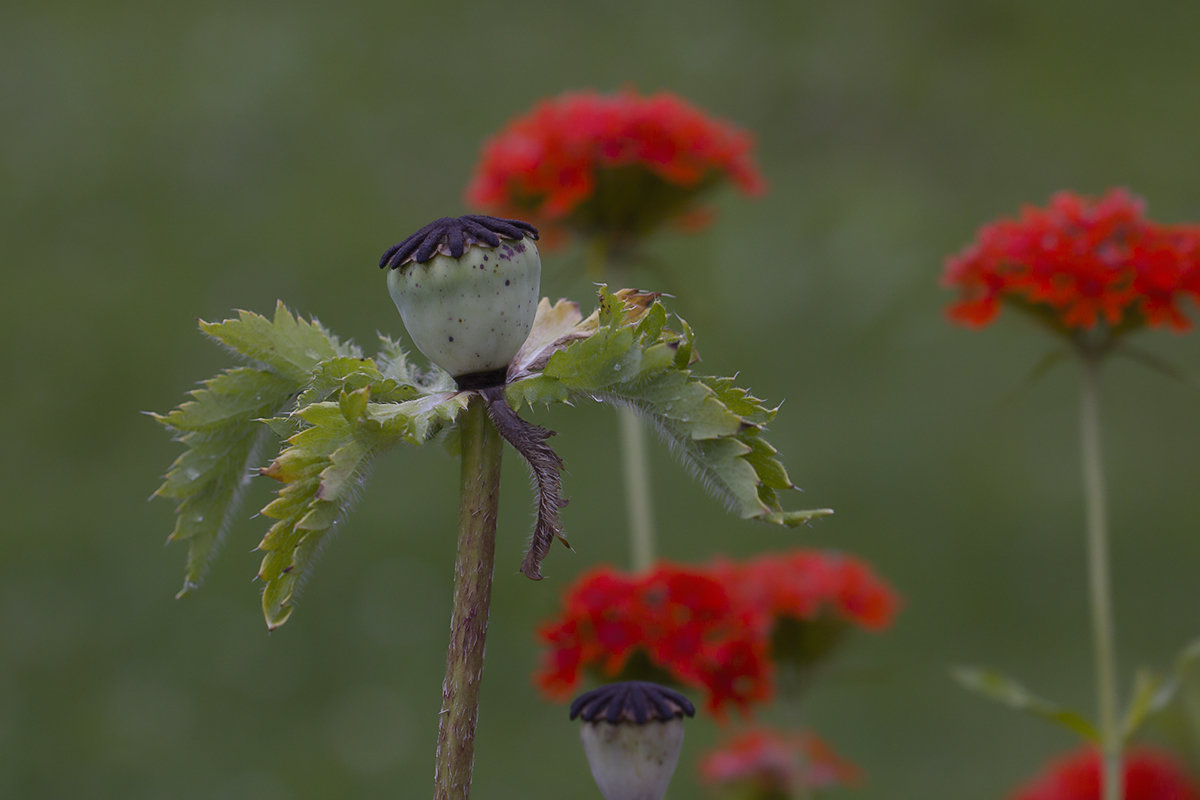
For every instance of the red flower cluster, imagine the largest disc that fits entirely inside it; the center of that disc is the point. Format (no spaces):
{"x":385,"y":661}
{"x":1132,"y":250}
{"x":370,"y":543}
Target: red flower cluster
{"x":1080,"y":261}
{"x":1149,"y":775}
{"x":614,"y":165}
{"x":775,"y":764}
{"x":803,"y":583}
{"x":710,"y":626}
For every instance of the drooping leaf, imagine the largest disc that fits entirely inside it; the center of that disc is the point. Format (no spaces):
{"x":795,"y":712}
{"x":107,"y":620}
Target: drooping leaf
{"x":227,"y":421}
{"x":219,"y":429}
{"x":995,"y":686}
{"x":323,"y":468}
{"x":625,"y":354}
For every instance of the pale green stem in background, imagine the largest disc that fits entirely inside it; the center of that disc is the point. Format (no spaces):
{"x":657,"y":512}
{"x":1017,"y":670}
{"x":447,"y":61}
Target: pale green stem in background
{"x":480,"y":498}
{"x":636,"y":467}
{"x":635,"y":456}
{"x":597,"y":259}
{"x":1098,"y":579}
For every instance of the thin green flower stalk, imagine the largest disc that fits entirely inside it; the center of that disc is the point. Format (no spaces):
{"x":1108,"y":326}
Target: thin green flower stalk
{"x":635,"y":459}
{"x":1092,"y":271}
{"x":1099,"y":584}
{"x":636,"y":473}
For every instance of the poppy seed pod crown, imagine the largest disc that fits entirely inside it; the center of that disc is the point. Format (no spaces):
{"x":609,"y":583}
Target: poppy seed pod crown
{"x":467,"y":290}
{"x":632,"y":734}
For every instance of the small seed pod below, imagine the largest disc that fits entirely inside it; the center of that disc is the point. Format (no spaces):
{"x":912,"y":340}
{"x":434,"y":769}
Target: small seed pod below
{"x":467,"y":290}
{"x":632,"y":734}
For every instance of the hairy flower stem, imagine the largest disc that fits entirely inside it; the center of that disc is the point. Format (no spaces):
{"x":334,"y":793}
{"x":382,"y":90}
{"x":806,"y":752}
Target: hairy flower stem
{"x":635,"y":460}
{"x":1098,"y":578}
{"x":480,"y":498}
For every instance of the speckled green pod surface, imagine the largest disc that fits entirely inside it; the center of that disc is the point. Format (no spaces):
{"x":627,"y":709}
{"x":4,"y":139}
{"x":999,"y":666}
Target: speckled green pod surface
{"x":472,"y":313}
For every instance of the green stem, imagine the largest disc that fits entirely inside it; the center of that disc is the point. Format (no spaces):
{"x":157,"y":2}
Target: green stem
{"x":1098,"y":579}
{"x":635,"y":456}
{"x":636,"y":462}
{"x":479,"y":501}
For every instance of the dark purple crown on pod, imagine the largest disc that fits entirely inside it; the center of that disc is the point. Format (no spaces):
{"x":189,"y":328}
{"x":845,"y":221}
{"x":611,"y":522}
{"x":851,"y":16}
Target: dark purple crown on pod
{"x":451,"y":236}
{"x":631,"y":701}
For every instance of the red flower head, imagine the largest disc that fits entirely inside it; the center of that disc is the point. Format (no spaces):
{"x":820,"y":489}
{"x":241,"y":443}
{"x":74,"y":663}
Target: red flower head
{"x":610,"y":166}
{"x":1149,"y":775}
{"x":1079,"y":263}
{"x":809,"y":599}
{"x":681,"y":623}
{"x":715,"y":627}
{"x":776,"y":764}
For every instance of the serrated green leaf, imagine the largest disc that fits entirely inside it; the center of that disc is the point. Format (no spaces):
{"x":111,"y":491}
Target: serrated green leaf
{"x":226,"y":399}
{"x":354,"y":404}
{"x":652,"y":324}
{"x":286,"y":344}
{"x":685,"y":350}
{"x":770,"y":470}
{"x":605,"y":358}
{"x":220,"y":430}
{"x":995,"y":686}
{"x":739,"y":400}
{"x":624,"y":354}
{"x":340,"y":373}
{"x":330,"y":453}
{"x":392,"y":361}
{"x":536,"y":390}
{"x":415,"y":421}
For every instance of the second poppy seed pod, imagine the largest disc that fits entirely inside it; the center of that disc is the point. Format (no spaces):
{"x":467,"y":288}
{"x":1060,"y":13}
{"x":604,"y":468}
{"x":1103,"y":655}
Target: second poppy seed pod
{"x":632,"y":734}
{"x":467,"y":290}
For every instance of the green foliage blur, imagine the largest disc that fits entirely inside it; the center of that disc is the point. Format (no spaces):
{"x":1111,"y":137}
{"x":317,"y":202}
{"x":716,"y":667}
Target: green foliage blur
{"x":166,"y":162}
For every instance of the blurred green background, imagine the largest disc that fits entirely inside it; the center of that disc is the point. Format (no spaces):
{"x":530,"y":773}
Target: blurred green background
{"x":163,"y":162}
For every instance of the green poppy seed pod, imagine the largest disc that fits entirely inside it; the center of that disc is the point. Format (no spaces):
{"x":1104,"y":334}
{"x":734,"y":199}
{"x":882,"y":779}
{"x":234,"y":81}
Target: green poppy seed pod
{"x":632,"y":734}
{"x":467,"y":290}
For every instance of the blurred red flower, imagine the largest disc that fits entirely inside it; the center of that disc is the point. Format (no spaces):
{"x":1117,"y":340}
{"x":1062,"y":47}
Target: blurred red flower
{"x":765,"y":764}
{"x":1149,"y":775}
{"x":1077,"y":263}
{"x":803,"y":583}
{"x":714,"y":627}
{"x":614,"y":166}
